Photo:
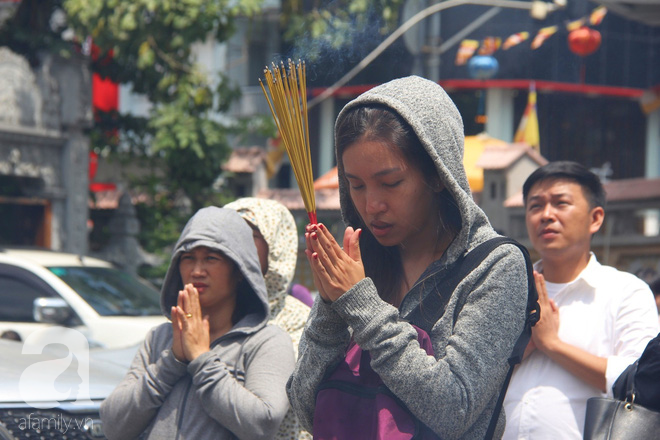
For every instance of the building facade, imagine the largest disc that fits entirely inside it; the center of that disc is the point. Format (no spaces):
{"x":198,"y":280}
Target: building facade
{"x":44,"y":151}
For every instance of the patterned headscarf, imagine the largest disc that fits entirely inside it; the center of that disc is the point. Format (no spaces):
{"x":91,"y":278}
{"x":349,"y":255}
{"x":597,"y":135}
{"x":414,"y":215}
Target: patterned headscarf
{"x":278,"y":228}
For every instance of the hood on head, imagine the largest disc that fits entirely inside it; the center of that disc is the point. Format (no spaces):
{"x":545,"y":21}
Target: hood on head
{"x":221,"y":230}
{"x":277,"y":225}
{"x":434,"y":118}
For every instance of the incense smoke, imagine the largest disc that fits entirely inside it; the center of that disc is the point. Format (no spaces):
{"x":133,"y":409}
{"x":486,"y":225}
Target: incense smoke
{"x":341,"y":47}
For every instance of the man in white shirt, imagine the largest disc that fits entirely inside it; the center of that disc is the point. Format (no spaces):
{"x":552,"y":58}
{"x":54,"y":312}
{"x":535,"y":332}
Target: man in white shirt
{"x":595,"y":320}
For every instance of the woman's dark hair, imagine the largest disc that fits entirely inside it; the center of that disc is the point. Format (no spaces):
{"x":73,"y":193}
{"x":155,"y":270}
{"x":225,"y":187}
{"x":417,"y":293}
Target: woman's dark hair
{"x":378,"y":123}
{"x":246,"y":300}
{"x":573,"y":171}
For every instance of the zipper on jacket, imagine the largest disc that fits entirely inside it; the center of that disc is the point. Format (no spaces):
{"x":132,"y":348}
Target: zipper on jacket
{"x":187,"y":392}
{"x":419,"y":282}
{"x":183,"y":408}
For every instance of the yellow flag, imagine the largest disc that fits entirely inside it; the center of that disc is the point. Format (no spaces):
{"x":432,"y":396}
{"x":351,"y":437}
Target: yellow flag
{"x":542,"y":35}
{"x":465,"y":51}
{"x":528,"y":129}
{"x":274,"y":157}
{"x":489,"y":45}
{"x":577,"y":24}
{"x":515,"y":39}
{"x":597,"y":15}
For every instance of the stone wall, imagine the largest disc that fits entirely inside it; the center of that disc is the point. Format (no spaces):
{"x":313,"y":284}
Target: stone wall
{"x":46,"y":110}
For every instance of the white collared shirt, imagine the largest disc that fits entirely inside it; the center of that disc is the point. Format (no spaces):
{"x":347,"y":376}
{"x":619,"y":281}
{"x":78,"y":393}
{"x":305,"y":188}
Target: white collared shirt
{"x":609,"y":313}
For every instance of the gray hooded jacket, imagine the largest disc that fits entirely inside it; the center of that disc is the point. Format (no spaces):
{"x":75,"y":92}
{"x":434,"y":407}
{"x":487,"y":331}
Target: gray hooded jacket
{"x":236,"y":390}
{"x":455,"y":392}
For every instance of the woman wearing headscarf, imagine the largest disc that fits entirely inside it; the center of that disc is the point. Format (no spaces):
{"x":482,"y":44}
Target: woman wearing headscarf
{"x":410,"y":220}
{"x":218,"y":370}
{"x":276,"y":238}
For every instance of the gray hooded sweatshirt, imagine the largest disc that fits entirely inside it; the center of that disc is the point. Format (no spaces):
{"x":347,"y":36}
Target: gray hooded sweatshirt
{"x":454,"y":392}
{"x":237,"y":389}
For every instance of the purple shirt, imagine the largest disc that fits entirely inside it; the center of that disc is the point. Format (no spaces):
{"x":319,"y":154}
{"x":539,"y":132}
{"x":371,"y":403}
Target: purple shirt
{"x":302,"y":293}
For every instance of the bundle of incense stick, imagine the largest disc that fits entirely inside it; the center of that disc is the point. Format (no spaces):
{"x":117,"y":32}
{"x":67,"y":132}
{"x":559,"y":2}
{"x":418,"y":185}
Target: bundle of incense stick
{"x":288,"y":104}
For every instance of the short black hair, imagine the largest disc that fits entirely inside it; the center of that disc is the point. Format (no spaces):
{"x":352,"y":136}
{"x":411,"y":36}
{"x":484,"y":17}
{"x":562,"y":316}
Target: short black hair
{"x":568,"y":170}
{"x":655,"y":286}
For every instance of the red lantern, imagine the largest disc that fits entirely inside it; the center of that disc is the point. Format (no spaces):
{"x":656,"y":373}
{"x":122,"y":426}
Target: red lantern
{"x":584,"y":41}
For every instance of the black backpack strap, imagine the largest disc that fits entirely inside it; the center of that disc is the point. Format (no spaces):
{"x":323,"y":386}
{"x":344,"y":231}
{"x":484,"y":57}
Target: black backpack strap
{"x":533,"y":314}
{"x":432,"y":307}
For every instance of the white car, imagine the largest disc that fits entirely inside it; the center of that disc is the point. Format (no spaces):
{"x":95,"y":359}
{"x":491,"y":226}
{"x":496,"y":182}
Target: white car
{"x":40,"y":288}
{"x":44,"y":396}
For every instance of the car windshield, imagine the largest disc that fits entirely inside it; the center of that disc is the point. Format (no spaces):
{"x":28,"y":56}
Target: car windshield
{"x":111,"y":292}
